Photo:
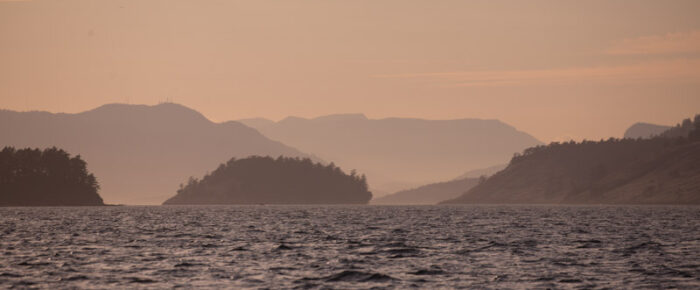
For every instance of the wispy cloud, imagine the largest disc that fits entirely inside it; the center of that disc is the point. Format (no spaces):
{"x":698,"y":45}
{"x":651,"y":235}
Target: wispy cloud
{"x":660,"y":71}
{"x":671,"y":43}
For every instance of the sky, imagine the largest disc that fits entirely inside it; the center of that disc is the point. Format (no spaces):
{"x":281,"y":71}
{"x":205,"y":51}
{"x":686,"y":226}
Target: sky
{"x":555,"y":69}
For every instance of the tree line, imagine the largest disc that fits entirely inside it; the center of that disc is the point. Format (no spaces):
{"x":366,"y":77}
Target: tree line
{"x":686,"y":132}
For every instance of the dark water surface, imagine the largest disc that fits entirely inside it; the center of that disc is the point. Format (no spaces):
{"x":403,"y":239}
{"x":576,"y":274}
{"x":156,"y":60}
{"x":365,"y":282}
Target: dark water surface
{"x":351,"y":247}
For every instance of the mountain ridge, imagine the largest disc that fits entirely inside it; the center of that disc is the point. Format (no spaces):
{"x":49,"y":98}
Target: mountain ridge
{"x":428,"y":194}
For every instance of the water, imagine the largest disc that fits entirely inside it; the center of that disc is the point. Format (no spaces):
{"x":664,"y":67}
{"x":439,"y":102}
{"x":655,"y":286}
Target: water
{"x":350,"y":247}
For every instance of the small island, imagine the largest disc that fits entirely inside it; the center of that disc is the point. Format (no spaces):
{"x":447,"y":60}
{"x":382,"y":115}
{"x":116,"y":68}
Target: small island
{"x":49,"y":177}
{"x":266,"y":180}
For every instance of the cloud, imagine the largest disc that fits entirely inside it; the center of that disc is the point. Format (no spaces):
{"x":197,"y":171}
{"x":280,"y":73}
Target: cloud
{"x":681,"y":70}
{"x":671,"y":43}
{"x":682,"y":66}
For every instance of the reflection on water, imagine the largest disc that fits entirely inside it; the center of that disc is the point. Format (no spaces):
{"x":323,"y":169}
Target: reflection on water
{"x":350,"y":246}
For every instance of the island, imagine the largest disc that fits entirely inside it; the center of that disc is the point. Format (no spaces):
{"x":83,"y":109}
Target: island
{"x":49,"y":177}
{"x":267,"y":180}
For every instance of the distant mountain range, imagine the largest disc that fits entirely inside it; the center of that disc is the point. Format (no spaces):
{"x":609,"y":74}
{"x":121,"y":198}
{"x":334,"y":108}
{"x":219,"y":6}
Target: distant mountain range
{"x":488,"y":171}
{"x":429,"y":194}
{"x":139,"y":153}
{"x":661,"y":170}
{"x":399,"y":153}
{"x":436,"y":192}
{"x":645,"y":130}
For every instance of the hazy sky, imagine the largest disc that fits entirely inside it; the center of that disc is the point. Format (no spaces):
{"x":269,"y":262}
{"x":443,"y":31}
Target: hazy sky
{"x":586,"y":69}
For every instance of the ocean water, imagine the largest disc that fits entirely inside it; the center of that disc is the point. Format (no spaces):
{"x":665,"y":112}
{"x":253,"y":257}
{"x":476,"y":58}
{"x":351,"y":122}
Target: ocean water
{"x":351,"y":247}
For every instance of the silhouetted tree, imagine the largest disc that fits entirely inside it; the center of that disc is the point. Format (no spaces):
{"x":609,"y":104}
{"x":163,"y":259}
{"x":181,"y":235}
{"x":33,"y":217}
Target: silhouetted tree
{"x":695,"y":134}
{"x":282,"y":181}
{"x":32,"y":177}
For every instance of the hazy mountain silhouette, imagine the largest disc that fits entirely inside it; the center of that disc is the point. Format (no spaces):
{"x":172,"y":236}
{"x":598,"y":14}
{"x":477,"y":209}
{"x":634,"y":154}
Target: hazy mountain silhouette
{"x":661,"y":170}
{"x":49,"y":177}
{"x":644,"y":130}
{"x":274,"y":181}
{"x":397,"y":153}
{"x":429,"y":194}
{"x":139,"y":153}
{"x":436,"y":192}
{"x":488,"y":171}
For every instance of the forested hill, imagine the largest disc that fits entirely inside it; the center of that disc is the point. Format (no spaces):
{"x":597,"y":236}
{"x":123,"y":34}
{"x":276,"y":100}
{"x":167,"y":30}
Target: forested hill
{"x":264,"y":180}
{"x":662,"y":170}
{"x":32,"y":177}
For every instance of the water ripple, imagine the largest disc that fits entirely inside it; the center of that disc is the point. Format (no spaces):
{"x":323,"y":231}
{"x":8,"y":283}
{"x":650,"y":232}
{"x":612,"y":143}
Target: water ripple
{"x":350,"y":247}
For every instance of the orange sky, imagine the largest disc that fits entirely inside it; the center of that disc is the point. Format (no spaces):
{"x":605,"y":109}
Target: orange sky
{"x":583,"y":69}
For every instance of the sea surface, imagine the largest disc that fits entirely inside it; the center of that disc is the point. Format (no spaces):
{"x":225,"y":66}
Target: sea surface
{"x":431,"y":247}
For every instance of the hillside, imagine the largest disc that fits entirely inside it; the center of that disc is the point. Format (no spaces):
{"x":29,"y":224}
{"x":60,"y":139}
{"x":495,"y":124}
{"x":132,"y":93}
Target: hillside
{"x":265,"y":180}
{"x":429,"y":194}
{"x":139,"y":153}
{"x":646,"y":171}
{"x":399,"y":153}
